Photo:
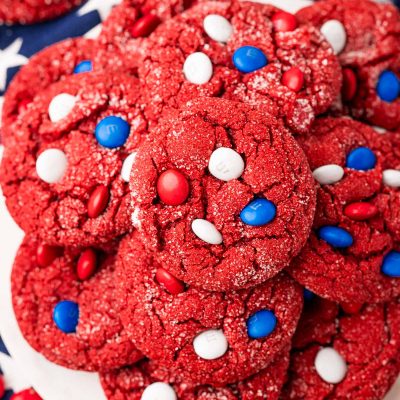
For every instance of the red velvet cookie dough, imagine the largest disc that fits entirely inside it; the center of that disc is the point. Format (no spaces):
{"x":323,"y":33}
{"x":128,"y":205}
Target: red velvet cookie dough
{"x":32,"y":11}
{"x":59,"y":178}
{"x":51,"y":65}
{"x":358,"y":360}
{"x":243,"y":201}
{"x":129,"y":383}
{"x":206,"y":337}
{"x":193,"y":55}
{"x":42,"y":277}
{"x":347,"y":192}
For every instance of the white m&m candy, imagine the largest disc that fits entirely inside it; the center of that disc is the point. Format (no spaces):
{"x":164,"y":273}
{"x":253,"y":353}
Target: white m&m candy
{"x":330,"y":365}
{"x":51,"y":165}
{"x":60,"y":106}
{"x":391,"y":177}
{"x":127,"y":167}
{"x":328,"y":174}
{"x":210,"y":344}
{"x":226,"y":164}
{"x":198,"y":68}
{"x":206,"y":231}
{"x":217,"y":27}
{"x":159,"y":391}
{"x":335,"y":34}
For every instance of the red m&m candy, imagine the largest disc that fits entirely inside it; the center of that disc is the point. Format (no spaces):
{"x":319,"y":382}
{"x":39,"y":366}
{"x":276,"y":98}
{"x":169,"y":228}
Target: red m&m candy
{"x":293,"y":79}
{"x":360,"y":211}
{"x":87,"y":264}
{"x":170,"y":283}
{"x":351,"y":308}
{"x":2,"y":387}
{"x":172,"y":187}
{"x":145,"y":25}
{"x":46,"y":254}
{"x":28,"y":394}
{"x":98,"y":201}
{"x":284,"y":21}
{"x":349,"y":87}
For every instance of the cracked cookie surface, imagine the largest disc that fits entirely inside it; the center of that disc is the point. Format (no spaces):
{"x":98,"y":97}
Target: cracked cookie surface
{"x":368,"y":342}
{"x":275,"y":169}
{"x":164,"y":325}
{"x":100,"y":341}
{"x":353,"y":273}
{"x":49,"y":66}
{"x":59,"y":211}
{"x":166,"y":84}
{"x":129,"y":383}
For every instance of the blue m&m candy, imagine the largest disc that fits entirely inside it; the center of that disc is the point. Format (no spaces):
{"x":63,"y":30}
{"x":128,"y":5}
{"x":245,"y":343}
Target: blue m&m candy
{"x":249,"y":59}
{"x":66,"y":316}
{"x":335,"y":236}
{"x":83,"y":66}
{"x":112,"y":132}
{"x":261,"y":324}
{"x":391,"y":264}
{"x":361,"y":158}
{"x":388,"y":87}
{"x":258,"y":212}
{"x":308,"y":294}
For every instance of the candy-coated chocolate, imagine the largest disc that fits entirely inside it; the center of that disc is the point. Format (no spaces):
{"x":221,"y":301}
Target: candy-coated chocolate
{"x":335,"y":236}
{"x":210,"y":344}
{"x":169,"y":282}
{"x":388,"y":86}
{"x":351,"y":308}
{"x":261,"y":324}
{"x":98,"y":201}
{"x":46,"y":254}
{"x":198,"y":68}
{"x":391,"y":264}
{"x":83,"y":66}
{"x":218,"y":27}
{"x":66,"y":316}
{"x":226,"y":164}
{"x":360,"y":211}
{"x":60,"y":106}
{"x":51,"y":165}
{"x":249,"y":59}
{"x":87,"y":264}
{"x":349,"y":87}
{"x":293,"y":78}
{"x":258,"y":212}
{"x":361,"y":158}
{"x":173,"y":187}
{"x":330,"y":365}
{"x":284,"y":21}
{"x":112,"y":132}
{"x":335,"y":34}
{"x":145,"y":25}
{"x":328,"y":174}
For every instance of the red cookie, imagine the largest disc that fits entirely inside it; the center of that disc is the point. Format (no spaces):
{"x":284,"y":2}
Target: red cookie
{"x":223,"y":193}
{"x":206,"y":337}
{"x":357,"y":358}
{"x":197,"y":53}
{"x":131,"y":22}
{"x":42,"y":278}
{"x":130,"y":383}
{"x":351,"y":247}
{"x":366,"y":36}
{"x":360,"y":32}
{"x":64,"y":173}
{"x":370,"y":103}
{"x":31,"y":11}
{"x":51,"y":65}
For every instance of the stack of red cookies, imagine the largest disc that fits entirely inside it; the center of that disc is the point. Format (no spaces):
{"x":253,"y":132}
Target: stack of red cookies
{"x":209,"y":192}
